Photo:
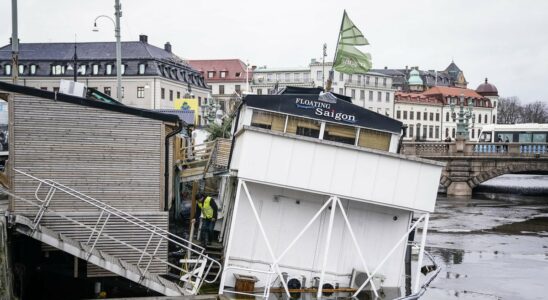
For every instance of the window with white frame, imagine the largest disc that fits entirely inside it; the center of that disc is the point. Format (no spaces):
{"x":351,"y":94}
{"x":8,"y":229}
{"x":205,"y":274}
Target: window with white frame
{"x":362,"y":95}
{"x":32,"y":69}
{"x":142,"y":68}
{"x":57,"y":70}
{"x":297,"y":77}
{"x":21,"y":69}
{"x":140,"y":92}
{"x":7,"y":70}
{"x":306,"y":77}
{"x":123,"y":69}
{"x":210,"y":74}
{"x":95,"y":69}
{"x":319,"y":75}
{"x":109,"y":69}
{"x":82,"y":70}
{"x":223,"y":74}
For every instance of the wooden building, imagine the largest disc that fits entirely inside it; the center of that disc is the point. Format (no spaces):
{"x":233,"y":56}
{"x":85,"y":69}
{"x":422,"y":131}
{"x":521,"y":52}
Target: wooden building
{"x":109,"y":152}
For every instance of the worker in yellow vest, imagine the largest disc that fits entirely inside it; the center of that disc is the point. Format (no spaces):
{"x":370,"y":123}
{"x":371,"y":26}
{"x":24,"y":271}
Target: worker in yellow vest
{"x":206,"y":208}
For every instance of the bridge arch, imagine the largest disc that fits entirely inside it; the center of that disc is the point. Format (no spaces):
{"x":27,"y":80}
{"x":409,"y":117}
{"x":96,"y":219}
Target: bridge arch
{"x":538,"y":167}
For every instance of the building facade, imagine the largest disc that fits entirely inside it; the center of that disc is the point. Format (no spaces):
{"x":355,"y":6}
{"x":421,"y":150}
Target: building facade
{"x":372,"y":90}
{"x":227,"y":78}
{"x":452,"y":76}
{"x":152,"y":77}
{"x":429,"y":117}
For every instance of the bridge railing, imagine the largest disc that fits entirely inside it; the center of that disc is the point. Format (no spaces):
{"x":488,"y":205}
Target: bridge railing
{"x":475,"y":149}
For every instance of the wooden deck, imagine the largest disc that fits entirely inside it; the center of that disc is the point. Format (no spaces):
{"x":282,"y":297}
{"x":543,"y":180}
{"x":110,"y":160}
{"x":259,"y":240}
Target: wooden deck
{"x":204,"y":160}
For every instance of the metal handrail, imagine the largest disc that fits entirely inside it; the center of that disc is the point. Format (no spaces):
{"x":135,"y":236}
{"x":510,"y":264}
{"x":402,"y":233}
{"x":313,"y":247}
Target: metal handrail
{"x":103,"y":207}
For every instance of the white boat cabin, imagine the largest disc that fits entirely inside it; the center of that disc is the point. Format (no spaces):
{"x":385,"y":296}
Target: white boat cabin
{"x":321,"y":193}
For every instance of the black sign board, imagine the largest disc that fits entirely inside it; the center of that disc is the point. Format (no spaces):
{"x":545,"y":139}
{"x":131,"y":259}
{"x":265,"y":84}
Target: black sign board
{"x":337,"y":111}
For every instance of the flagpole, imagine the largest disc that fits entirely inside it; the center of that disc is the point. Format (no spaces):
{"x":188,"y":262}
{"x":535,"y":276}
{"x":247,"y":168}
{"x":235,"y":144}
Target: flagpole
{"x":330,"y":78}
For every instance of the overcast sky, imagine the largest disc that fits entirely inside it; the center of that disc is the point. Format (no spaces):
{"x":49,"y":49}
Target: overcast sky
{"x":506,"y":41}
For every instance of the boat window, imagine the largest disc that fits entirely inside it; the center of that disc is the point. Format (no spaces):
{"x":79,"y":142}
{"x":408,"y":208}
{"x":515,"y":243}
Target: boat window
{"x":539,"y":138}
{"x":268,"y":120}
{"x":525,"y":137}
{"x":340,"y":133}
{"x":374,"y":139}
{"x":302,"y":126}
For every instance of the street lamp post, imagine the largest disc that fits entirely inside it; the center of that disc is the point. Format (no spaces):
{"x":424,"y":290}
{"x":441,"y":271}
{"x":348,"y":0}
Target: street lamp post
{"x":462,"y":117}
{"x":117,"y":14}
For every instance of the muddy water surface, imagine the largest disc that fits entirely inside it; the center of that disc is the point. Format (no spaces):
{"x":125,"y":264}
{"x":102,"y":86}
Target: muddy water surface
{"x":494,"y":245}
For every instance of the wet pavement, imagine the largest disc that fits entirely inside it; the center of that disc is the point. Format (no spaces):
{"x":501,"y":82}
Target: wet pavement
{"x":492,"y":246}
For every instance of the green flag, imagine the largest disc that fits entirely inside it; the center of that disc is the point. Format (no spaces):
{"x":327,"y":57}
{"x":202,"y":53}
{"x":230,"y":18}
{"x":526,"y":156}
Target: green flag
{"x":348,"y":59}
{"x":350,"y":34}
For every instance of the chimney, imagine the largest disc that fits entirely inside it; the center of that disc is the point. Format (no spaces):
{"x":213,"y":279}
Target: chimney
{"x":143,"y":38}
{"x":385,"y":67}
{"x":167,"y":47}
{"x":253,"y":68}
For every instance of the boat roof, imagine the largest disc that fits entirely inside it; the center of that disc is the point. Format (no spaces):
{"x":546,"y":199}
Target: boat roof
{"x":324,"y":106}
{"x":97,"y":103}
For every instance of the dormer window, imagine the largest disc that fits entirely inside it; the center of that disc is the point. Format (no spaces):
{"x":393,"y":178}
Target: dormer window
{"x":108,"y":70}
{"x":210,"y":74}
{"x":7,"y":70}
{"x":82,"y":70}
{"x":142,"y":68}
{"x":95,"y":69}
{"x":21,"y":69}
{"x":57,"y":70}
{"x":32,"y":69}
{"x":223,"y":74}
{"x":122,"y":69}
{"x":238,"y":74}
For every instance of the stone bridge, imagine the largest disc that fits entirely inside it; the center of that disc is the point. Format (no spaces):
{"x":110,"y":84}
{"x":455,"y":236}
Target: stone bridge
{"x":470,"y":163}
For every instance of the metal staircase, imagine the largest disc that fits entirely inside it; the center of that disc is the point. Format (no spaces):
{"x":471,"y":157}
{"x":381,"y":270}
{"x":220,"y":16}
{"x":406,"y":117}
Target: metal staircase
{"x":191,"y":275}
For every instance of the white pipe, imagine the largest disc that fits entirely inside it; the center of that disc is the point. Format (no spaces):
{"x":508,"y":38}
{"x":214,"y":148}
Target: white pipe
{"x":277,"y":269}
{"x":327,"y":244}
{"x":355,"y":241}
{"x":421,"y":253}
{"x":229,"y":243}
{"x":403,"y":238}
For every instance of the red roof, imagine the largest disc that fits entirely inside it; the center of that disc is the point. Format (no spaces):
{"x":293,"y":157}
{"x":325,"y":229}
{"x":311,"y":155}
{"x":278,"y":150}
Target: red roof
{"x":446,"y":91}
{"x":416,"y":98}
{"x":235,"y":69}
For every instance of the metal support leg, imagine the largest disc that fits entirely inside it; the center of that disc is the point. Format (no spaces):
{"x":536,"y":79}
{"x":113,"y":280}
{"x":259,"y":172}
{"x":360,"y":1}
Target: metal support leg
{"x":327,"y":244}
{"x":229,"y":243}
{"x":421,"y":253}
{"x":355,"y":241}
{"x":379,"y":266}
{"x":303,"y":230}
{"x":258,"y":219}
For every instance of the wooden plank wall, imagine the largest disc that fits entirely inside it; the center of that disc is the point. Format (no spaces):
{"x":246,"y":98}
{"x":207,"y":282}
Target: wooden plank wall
{"x":113,"y":157}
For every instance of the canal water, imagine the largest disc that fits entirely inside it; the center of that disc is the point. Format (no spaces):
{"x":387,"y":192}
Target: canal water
{"x":494,"y":245}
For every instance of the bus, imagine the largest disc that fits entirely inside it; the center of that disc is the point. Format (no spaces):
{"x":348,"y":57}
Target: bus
{"x":514,"y":133}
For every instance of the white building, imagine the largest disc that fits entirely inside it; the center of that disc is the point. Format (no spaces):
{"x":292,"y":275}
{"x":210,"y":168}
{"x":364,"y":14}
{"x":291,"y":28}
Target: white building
{"x":429,"y":117}
{"x":372,"y":90}
{"x":152,"y":77}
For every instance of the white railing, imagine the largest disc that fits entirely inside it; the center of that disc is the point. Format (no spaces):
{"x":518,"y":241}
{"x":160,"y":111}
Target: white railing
{"x":192,"y":278}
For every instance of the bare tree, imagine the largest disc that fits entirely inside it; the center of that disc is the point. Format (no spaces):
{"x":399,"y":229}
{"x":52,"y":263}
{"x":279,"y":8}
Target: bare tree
{"x":536,"y":112}
{"x":509,"y":110}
